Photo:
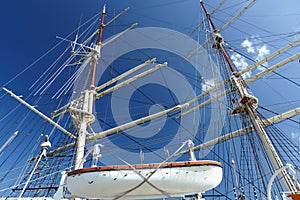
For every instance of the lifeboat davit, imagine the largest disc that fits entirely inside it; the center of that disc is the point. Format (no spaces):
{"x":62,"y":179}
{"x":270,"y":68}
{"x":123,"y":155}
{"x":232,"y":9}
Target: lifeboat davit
{"x":173,"y":179}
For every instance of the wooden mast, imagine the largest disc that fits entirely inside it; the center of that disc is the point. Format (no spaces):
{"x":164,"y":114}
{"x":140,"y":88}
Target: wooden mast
{"x":248,"y":106}
{"x":98,"y":47}
{"x":219,"y":40}
{"x":84,"y":116}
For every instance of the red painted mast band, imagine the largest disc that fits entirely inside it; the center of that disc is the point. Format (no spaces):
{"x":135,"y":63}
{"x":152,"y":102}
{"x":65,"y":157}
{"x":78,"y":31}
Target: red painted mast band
{"x":99,"y":43}
{"x":223,"y":50}
{"x":101,"y":27}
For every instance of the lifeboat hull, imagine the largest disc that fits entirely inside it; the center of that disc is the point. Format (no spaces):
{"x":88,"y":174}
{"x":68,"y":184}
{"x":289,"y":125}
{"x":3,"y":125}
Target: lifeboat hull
{"x":170,"y":179}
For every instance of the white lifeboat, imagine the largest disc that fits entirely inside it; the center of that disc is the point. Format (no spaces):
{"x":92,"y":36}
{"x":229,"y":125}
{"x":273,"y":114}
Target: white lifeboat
{"x":145,"y":180}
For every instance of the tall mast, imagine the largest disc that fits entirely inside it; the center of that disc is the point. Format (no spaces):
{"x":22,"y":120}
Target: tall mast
{"x":248,"y":104}
{"x":84,"y":116}
{"x":219,"y":40}
{"x":98,"y":47}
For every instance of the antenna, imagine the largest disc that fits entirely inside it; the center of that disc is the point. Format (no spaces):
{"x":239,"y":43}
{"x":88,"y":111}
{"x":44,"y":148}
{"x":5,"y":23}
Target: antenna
{"x":73,"y":44}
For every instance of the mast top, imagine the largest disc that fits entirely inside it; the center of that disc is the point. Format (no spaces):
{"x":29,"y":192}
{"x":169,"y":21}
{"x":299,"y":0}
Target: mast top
{"x":104,"y":9}
{"x":219,"y":41}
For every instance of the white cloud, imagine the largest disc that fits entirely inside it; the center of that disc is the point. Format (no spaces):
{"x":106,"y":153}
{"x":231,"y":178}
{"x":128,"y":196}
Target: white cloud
{"x":263,"y":51}
{"x":208,"y":84}
{"x":247,"y":44}
{"x":295,"y":136}
{"x":241,"y":64}
{"x":253,"y":46}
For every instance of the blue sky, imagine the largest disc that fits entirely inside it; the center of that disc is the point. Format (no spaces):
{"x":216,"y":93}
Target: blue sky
{"x":29,"y":29}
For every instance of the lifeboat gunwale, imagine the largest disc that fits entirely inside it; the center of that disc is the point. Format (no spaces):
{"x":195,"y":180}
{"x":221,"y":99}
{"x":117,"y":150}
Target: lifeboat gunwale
{"x":146,"y":166}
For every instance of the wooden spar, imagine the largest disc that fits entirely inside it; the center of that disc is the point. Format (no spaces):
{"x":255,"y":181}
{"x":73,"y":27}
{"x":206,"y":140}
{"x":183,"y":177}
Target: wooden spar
{"x":130,"y":80}
{"x":274,"y":67}
{"x":221,"y":44}
{"x":282,"y":116}
{"x":237,"y":15}
{"x":269,"y":57}
{"x":285,"y":48}
{"x":228,"y":136}
{"x":65,"y":108}
{"x":103,"y":44}
{"x":247,"y":129}
{"x":201,"y":23}
{"x":247,"y":81}
{"x":222,"y":28}
{"x":108,"y":23}
{"x":208,"y":16}
{"x":247,"y":69}
{"x":108,"y":83}
{"x":120,"y":128}
{"x":119,"y":34}
{"x":117,"y":16}
{"x":40,"y":113}
{"x":136,"y":122}
{"x":205,"y":103}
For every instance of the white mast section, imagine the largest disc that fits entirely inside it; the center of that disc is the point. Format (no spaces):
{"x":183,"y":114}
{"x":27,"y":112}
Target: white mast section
{"x":270,"y":149}
{"x":31,"y":174}
{"x":39,"y":113}
{"x":249,"y":107}
{"x":65,"y":108}
{"x":83,"y":116}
